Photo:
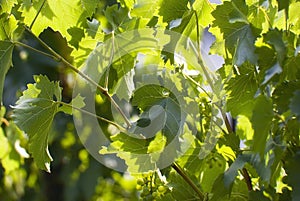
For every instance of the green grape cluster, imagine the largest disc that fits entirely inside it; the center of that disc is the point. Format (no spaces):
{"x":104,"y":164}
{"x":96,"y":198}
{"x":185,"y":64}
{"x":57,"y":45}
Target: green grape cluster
{"x":151,"y":187}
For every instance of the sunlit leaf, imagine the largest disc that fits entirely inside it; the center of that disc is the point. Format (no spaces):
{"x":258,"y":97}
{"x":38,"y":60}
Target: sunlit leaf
{"x":47,"y":13}
{"x":6,"y":50}
{"x":8,"y":25}
{"x":7,"y":5}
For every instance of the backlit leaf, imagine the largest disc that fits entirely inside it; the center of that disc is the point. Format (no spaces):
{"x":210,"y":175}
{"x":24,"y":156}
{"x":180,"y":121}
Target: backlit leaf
{"x":7,"y":5}
{"x":34,"y":113}
{"x":47,"y":13}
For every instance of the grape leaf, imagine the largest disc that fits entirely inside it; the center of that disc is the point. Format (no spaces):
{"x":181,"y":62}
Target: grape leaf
{"x":181,"y":191}
{"x":292,"y":169}
{"x":261,"y":122}
{"x":4,"y":146}
{"x":239,"y":35}
{"x":258,"y":17}
{"x":8,"y":25}
{"x":92,"y":36}
{"x":219,"y":189}
{"x":257,"y":195}
{"x":150,"y":96}
{"x":59,"y":15}
{"x":7,"y":5}
{"x":127,"y":3}
{"x":204,"y":9}
{"x":171,"y":10}
{"x":291,"y":68}
{"x":6,"y":50}
{"x":90,"y":6}
{"x":242,"y":89}
{"x":294,"y":104}
{"x":282,"y":93}
{"x":77,"y":102}
{"x":144,"y":8}
{"x":293,"y":17}
{"x":275,"y":38}
{"x":34,"y":113}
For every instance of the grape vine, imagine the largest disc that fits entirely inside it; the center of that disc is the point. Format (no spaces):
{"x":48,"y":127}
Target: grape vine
{"x":195,"y":100}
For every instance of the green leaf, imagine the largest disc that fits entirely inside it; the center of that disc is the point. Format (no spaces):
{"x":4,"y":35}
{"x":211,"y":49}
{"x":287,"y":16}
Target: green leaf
{"x":261,"y":122}
{"x":150,"y":96}
{"x":77,"y":102}
{"x":34,"y":113}
{"x":293,"y":17}
{"x":145,"y":8}
{"x":242,"y":89}
{"x":275,"y":38}
{"x":211,"y":168}
{"x":6,"y":50}
{"x":92,"y":36}
{"x":231,"y":18}
{"x":292,"y":167}
{"x":90,"y":6}
{"x":271,"y":72}
{"x":181,"y":191}
{"x":204,"y":9}
{"x":4,"y":146}
{"x":8,"y":25}
{"x":133,"y":150}
{"x":257,"y":195}
{"x":60,"y":15}
{"x":7,"y":5}
{"x":282,"y":93}
{"x":294,"y":104}
{"x":127,"y":3}
{"x":219,"y":189}
{"x":116,"y":15}
{"x":172,"y":10}
{"x":260,"y":16}
{"x":291,"y":68}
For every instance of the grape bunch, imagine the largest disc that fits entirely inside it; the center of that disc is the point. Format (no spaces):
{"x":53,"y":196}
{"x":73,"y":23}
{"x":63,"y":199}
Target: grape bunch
{"x":151,"y":186}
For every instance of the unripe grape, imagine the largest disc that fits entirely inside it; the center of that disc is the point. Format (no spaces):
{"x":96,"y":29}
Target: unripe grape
{"x":161,"y":189}
{"x":138,"y":187}
{"x":155,"y":194}
{"x":140,"y":181}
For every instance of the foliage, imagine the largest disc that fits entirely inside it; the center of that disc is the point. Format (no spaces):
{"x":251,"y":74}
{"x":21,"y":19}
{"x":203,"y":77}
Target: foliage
{"x":185,"y":103}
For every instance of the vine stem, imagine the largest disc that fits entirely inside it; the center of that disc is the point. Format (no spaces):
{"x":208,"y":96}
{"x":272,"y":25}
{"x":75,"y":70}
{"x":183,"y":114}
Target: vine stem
{"x":34,"y":49}
{"x":178,"y":169}
{"x":103,"y":90}
{"x":247,"y":179}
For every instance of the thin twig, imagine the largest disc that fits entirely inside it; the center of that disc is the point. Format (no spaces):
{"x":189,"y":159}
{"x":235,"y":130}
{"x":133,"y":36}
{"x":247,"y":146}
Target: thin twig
{"x":34,"y":49}
{"x":5,"y":121}
{"x":122,"y":129}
